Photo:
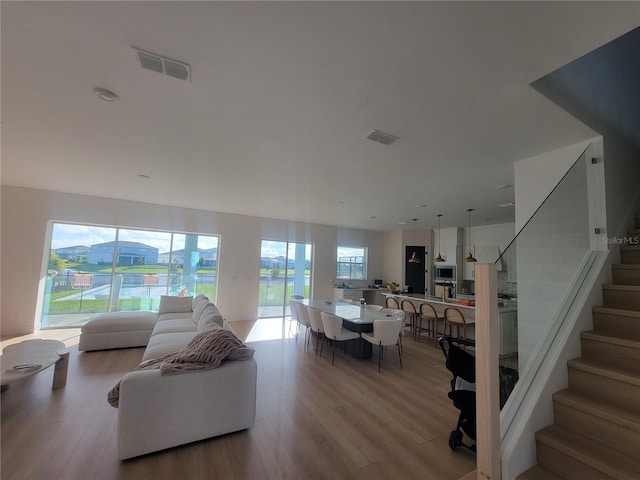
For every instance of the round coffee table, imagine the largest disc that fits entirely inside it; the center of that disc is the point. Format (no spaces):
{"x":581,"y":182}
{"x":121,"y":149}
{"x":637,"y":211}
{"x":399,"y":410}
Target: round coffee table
{"x":42,"y":352}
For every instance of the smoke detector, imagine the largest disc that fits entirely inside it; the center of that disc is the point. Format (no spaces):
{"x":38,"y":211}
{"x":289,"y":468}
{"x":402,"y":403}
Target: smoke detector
{"x":106,"y":95}
{"x":164,"y":65}
{"x":382,"y":137}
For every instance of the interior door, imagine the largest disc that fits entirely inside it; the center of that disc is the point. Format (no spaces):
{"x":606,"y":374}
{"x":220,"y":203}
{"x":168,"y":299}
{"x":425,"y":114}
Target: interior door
{"x":414,"y":275}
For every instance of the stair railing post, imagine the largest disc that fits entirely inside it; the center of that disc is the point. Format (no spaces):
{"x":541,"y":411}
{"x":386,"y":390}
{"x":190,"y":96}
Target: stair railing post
{"x":487,"y":372}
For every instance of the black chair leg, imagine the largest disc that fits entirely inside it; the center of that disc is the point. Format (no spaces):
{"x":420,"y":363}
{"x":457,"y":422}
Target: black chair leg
{"x":333,"y":352}
{"x":379,"y":356}
{"x":322,"y":344}
{"x":399,"y":353}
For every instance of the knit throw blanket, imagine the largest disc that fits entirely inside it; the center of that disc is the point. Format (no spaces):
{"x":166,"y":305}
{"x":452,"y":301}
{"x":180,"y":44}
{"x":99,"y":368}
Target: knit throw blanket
{"x":205,"y":351}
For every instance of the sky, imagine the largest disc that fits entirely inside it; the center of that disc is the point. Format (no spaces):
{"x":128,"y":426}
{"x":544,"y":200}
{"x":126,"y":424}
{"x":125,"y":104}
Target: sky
{"x":68,"y":235}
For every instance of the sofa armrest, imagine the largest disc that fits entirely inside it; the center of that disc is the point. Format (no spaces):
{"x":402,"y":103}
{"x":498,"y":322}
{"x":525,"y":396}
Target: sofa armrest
{"x":161,"y":411}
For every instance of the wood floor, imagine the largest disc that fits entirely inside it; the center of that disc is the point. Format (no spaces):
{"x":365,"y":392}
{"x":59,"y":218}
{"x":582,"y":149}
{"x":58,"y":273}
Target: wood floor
{"x":314,"y":421}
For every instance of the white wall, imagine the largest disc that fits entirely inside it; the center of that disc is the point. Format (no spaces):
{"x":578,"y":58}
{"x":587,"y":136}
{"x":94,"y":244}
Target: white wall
{"x":25,"y":213}
{"x":451,"y":248}
{"x":535,"y":177}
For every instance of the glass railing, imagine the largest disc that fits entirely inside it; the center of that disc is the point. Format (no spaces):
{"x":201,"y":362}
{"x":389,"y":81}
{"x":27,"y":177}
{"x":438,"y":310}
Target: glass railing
{"x":539,"y":271}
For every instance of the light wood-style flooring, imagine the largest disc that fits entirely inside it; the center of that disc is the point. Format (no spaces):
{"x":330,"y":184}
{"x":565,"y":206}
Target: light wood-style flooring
{"x":314,"y":421}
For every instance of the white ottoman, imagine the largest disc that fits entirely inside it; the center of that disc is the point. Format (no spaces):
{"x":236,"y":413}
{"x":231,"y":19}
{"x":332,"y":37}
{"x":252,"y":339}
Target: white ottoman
{"x":117,"y":330}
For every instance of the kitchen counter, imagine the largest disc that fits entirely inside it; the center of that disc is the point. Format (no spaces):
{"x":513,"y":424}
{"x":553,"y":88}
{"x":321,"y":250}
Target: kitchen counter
{"x":511,"y":305}
{"x":370,"y":295}
{"x":507,"y":316}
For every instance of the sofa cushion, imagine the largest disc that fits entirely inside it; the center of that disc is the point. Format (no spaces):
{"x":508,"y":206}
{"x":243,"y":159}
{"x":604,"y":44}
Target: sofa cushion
{"x":210,"y":319}
{"x":197,"y":299}
{"x":198,"y":309}
{"x":173,"y":316}
{"x":173,"y":304}
{"x":120,"y":321}
{"x":165,"y":343}
{"x":174,"y":325}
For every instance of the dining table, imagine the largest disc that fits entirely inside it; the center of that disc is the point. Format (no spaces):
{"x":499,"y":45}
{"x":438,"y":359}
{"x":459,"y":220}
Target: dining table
{"x":355,"y":318}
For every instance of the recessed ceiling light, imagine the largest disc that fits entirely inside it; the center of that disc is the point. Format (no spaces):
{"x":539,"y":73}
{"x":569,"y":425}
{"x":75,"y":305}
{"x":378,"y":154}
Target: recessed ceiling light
{"x":503,"y":187}
{"x":146,"y":177}
{"x":421,"y":206}
{"x":508,"y":204}
{"x":106,"y":95}
{"x":403,"y":223}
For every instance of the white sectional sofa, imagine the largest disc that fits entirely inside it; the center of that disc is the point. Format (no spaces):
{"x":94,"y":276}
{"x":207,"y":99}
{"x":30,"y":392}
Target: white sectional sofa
{"x":161,"y":411}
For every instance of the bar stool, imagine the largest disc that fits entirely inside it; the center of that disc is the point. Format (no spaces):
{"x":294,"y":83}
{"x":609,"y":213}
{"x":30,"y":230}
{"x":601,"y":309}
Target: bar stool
{"x":391,"y":302}
{"x":428,"y":313}
{"x":455,"y":318}
{"x":410,"y":311}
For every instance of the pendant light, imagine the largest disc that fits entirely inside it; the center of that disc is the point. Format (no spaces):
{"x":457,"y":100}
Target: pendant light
{"x":414,"y":258}
{"x":439,"y":258}
{"x":469,"y":258}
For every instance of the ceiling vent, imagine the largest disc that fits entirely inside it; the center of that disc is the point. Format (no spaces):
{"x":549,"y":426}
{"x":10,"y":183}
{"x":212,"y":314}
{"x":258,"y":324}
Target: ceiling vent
{"x":381,"y":137}
{"x":160,"y":64}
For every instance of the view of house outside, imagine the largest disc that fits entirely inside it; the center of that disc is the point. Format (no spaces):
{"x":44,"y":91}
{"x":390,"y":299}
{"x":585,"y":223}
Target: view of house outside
{"x":93,"y":269}
{"x":285,"y":270}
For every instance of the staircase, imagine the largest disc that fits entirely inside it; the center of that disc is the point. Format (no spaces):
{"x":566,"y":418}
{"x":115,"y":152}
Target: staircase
{"x":596,"y":434}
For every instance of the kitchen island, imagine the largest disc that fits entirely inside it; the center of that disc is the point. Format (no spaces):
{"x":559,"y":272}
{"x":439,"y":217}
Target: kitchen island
{"x":370,"y":295}
{"x":507,"y":316}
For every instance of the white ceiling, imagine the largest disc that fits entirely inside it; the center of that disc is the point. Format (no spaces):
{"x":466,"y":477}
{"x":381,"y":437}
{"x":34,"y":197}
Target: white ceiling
{"x":281,"y":98}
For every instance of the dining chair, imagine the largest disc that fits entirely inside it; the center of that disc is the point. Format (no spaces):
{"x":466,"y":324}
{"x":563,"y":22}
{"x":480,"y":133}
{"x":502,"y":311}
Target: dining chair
{"x":315,"y":320}
{"x":391,"y":302}
{"x":397,"y":313}
{"x":385,"y":332}
{"x":429,"y":314}
{"x":334,"y":331}
{"x":453,"y":317}
{"x":410,"y":311}
{"x":375,"y":308}
{"x":294,"y":313}
{"x":303,"y":320}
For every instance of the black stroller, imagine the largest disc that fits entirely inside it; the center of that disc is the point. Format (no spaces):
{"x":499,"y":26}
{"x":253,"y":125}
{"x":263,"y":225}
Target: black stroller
{"x":463,"y":389}
{"x":463,"y":367}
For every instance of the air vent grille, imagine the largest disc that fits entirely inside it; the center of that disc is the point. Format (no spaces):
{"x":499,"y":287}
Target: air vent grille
{"x":382,"y":137}
{"x":160,"y":64}
{"x":150,"y":62}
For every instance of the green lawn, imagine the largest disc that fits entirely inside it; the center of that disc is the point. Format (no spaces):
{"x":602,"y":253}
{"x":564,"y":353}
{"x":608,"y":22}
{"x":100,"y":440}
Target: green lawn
{"x":273,"y":295}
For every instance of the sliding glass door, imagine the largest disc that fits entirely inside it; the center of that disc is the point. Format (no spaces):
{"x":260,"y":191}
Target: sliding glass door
{"x":285,"y":270}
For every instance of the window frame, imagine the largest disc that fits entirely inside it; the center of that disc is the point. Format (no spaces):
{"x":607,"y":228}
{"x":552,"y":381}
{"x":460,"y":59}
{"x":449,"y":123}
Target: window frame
{"x":53,"y":283}
{"x":352,"y":264}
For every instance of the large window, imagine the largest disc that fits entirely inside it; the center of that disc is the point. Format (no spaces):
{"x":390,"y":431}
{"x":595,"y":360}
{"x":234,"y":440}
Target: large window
{"x":94,"y":269}
{"x":352,"y":263}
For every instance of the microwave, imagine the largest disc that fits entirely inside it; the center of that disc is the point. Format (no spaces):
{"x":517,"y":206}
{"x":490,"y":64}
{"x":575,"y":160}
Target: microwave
{"x":445,"y":273}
